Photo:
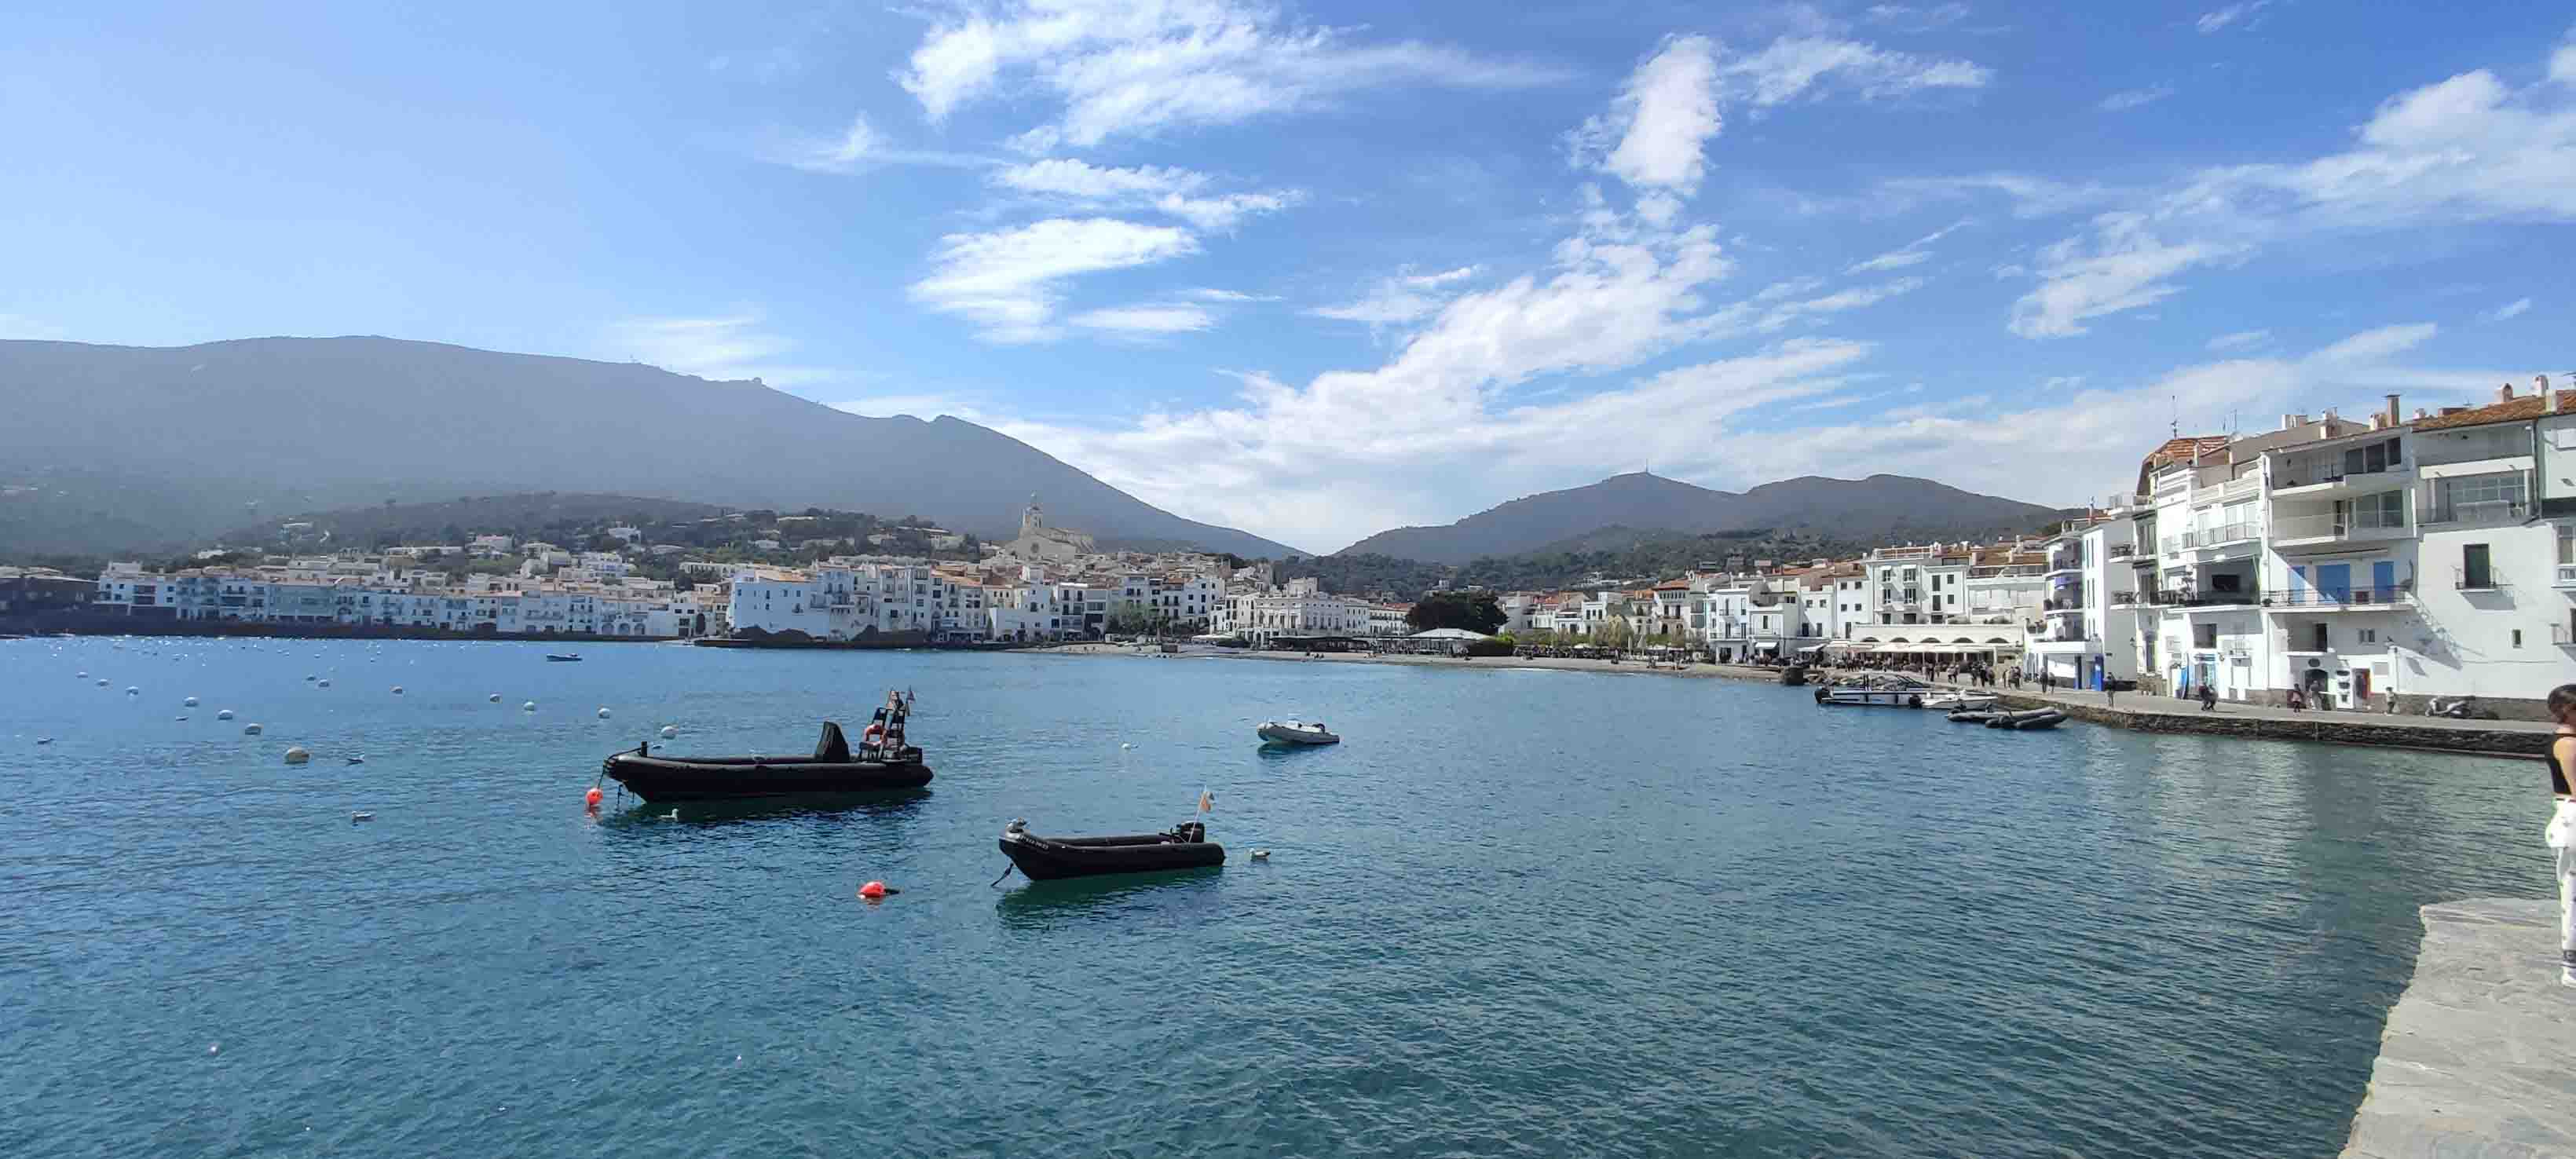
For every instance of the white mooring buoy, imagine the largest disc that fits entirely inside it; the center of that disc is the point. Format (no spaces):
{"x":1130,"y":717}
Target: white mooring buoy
{"x":603,"y":714}
{"x":250,"y":730}
{"x":190,"y":702}
{"x":669,"y":731}
{"x":226,"y":714}
{"x":297,"y":755}
{"x":530,"y":706}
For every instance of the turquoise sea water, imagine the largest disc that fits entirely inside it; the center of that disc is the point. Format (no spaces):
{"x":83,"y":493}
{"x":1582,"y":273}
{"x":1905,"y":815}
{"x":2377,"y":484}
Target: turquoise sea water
{"x":1517,"y":913}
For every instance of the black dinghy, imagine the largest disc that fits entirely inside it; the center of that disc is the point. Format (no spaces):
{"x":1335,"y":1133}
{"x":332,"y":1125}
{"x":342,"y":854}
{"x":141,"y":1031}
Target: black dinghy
{"x":883,"y":761}
{"x":2028,"y":719}
{"x":1055,"y":858}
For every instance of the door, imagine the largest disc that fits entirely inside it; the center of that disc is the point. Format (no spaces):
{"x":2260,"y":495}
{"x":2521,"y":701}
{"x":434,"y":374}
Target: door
{"x":2474,"y":569}
{"x":2298,"y":585}
{"x":2383,"y":583}
{"x":2318,"y":644}
{"x":2334,"y":583}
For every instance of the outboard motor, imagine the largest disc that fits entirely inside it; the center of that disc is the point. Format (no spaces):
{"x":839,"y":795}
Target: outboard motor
{"x":1190,"y":831}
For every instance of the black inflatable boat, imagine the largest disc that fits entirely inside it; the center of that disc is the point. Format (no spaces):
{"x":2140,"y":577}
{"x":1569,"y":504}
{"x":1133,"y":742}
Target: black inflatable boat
{"x":1057,"y":858}
{"x":883,"y":761}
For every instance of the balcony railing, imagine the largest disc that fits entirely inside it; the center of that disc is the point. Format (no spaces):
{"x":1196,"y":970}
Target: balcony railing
{"x":2120,"y":551}
{"x":2370,"y":523}
{"x":2307,"y":473}
{"x":2484,"y":581}
{"x":2561,"y":636}
{"x":2566,"y":577}
{"x":2486,"y":511}
{"x":2339,"y":598}
{"x":2188,"y":598}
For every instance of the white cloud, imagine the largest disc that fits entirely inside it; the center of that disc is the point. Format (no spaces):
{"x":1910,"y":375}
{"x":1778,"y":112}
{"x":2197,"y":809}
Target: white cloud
{"x":851,"y":150}
{"x":1852,"y":299}
{"x":1222,"y":212}
{"x":1913,"y":253}
{"x":2210,"y":22}
{"x":2096,"y":433}
{"x":2371,"y":346}
{"x":1656,"y":131}
{"x":1387,"y":442}
{"x":2509,"y":311}
{"x":722,"y":348}
{"x":1167,"y":190}
{"x":1136,"y":68}
{"x":1008,"y":281}
{"x":2240,"y":339}
{"x":2120,"y":267}
{"x":1067,"y":177}
{"x":2465,"y":149}
{"x":1907,"y":18}
{"x":1401,"y":299}
{"x":2125,"y":100}
{"x":1212,"y":294}
{"x":1795,"y":66}
{"x":1174,"y":318}
{"x":2562,"y":64}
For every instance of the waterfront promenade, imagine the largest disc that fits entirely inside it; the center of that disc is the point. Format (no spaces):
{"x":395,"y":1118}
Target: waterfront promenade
{"x":2150,"y":713}
{"x":2478,"y":1059}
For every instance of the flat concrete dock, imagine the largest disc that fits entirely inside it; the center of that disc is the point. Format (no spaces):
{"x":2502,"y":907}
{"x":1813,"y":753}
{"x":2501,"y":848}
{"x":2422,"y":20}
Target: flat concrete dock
{"x":2149,"y":713}
{"x":2479,"y":1057}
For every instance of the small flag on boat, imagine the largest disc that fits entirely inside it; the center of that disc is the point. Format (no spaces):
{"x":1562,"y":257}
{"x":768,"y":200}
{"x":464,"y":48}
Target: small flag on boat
{"x":1207,"y":801}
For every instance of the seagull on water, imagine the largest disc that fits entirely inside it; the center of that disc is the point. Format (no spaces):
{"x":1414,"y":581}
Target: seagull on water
{"x":358,"y":760}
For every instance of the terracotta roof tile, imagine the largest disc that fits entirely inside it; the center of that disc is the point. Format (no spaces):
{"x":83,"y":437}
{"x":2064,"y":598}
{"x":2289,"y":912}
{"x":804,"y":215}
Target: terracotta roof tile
{"x":2521,"y":409}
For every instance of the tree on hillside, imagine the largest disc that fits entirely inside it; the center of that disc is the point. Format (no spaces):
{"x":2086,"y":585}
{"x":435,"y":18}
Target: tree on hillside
{"x":1474,"y":611}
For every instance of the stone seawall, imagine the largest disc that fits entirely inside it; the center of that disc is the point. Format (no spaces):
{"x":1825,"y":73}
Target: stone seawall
{"x":2331,"y":728}
{"x":2478,"y":1059}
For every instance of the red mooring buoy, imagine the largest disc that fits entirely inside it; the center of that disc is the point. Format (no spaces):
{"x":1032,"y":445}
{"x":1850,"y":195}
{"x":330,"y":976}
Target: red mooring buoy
{"x":873,"y":890}
{"x":591,"y":798}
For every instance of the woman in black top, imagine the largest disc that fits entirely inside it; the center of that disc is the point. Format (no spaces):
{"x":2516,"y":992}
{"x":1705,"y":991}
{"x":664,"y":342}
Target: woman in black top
{"x":2561,"y":833}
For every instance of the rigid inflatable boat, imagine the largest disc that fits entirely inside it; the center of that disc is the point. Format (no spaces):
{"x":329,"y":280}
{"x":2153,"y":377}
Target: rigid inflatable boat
{"x":1055,"y":858}
{"x":883,"y":761}
{"x":2031,"y":719}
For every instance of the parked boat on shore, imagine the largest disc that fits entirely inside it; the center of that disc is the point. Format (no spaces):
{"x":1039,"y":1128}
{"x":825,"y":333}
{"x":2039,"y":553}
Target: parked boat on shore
{"x":1963,"y":699}
{"x":883,"y":761}
{"x":1973,"y":715}
{"x":1880,"y":689}
{"x":1294,"y":731}
{"x":1185,"y":846}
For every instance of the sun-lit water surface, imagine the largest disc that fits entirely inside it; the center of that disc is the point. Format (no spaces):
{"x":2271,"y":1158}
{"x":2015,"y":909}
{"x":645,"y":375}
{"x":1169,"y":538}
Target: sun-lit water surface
{"x":1517,"y":913}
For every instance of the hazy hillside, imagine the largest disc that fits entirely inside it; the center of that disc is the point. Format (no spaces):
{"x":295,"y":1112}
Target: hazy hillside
{"x":1875,"y":509}
{"x":176,"y":442}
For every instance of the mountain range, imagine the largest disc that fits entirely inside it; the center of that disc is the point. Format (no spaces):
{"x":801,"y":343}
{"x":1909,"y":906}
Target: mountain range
{"x":111,"y":447}
{"x":1880,"y":508}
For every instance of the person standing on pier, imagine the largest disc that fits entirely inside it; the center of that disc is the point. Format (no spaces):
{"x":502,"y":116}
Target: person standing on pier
{"x":2561,"y":833}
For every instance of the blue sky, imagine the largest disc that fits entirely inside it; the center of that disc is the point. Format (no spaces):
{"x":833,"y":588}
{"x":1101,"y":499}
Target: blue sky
{"x":1315,"y":270}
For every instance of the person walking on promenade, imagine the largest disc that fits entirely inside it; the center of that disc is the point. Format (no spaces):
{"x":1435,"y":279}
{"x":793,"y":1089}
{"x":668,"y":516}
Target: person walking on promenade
{"x":2110,"y":692}
{"x":2208,"y":697}
{"x":2561,"y":834}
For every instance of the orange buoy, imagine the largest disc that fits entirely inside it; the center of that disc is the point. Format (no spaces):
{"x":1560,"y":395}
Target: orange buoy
{"x":591,"y":798}
{"x":873,"y":890}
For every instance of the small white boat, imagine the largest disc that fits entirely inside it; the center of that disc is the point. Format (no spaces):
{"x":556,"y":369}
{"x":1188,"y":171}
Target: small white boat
{"x":1880,"y":689}
{"x":1955,"y":701}
{"x":1294,"y":731}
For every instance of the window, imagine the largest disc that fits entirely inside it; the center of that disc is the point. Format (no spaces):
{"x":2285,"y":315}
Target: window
{"x":2379,"y":456}
{"x":2480,"y":496}
{"x":2566,"y":544}
{"x":2320,"y":640}
{"x":2517,"y":637}
{"x":2475,"y":571}
{"x":2386,"y":509}
{"x":2204,"y":635}
{"x":2369,"y":635}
